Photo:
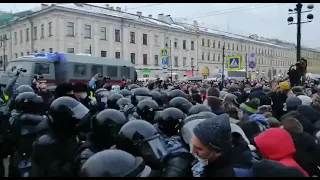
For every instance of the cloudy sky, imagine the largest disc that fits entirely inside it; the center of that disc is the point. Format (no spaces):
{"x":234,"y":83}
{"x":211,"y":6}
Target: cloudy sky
{"x":267,"y":20}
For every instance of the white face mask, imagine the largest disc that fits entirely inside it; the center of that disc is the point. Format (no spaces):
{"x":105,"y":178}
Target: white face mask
{"x":204,"y":162}
{"x":83,"y":95}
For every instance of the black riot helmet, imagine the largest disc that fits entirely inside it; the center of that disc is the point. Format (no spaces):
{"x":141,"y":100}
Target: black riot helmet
{"x":66,"y":112}
{"x":112,"y":101}
{"x":168,"y":121}
{"x":23,"y":88}
{"x":28,"y":102}
{"x":181,"y":103}
{"x":44,"y":150}
{"x":121,"y":103}
{"x":106,"y":125}
{"x":140,"y":94}
{"x":102,"y":95}
{"x":146,"y":109}
{"x":125,"y":93}
{"x":177,"y":93}
{"x":133,"y":86}
{"x":198,"y":108}
{"x":157,"y":96}
{"x":141,"y":138}
{"x":114,"y":163}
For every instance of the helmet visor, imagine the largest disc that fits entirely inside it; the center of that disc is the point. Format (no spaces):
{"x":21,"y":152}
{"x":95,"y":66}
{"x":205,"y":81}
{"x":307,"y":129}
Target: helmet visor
{"x":187,"y":129}
{"x":104,"y":99}
{"x":80,"y":111}
{"x":154,"y":149}
{"x":140,"y":98}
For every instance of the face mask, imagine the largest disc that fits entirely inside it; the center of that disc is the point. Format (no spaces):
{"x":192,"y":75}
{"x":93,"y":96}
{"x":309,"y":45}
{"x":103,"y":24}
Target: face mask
{"x":83,"y":95}
{"x":204,"y":162}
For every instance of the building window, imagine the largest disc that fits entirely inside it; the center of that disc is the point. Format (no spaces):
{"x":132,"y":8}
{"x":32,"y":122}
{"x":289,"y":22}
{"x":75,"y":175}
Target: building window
{"x":27,"y":34}
{"x":87,"y":31}
{"x":166,"y":42}
{"x":28,"y":52}
{"x":192,"y":62}
{"x":35,"y":33}
{"x":112,"y":71}
{"x":241,"y":48}
{"x":228,"y":46}
{"x":176,"y":61}
{"x":117,"y":35}
{"x":42,"y":50}
{"x":214,"y":57}
{"x":144,"y":39}
{"x":15,"y":38}
{"x":95,"y":69}
{"x":232,"y":47}
{"x":184,"y":62}
{"x":192,"y":45}
{"x":35,"y":51}
{"x":208,"y":56}
{"x":21,"y":36}
{"x":103,"y":53}
{"x":50,"y":29}
{"x":16,"y":55}
{"x":202,"y":56}
{"x":156,"y":60}
{"x":133,"y":58}
{"x":237,"y":47}
{"x":42,"y":31}
{"x":184,"y":44}
{"x":50,"y":50}
{"x":117,"y":55}
{"x":175,"y":43}
{"x":42,"y":68}
{"x":214,"y":44}
{"x":21,"y":54}
{"x":103,"y":33}
{"x":80,"y":70}
{"x":202,"y":42}
{"x":70,"y":29}
{"x":218,"y":44}
{"x":132,"y":37}
{"x":70,"y":50}
{"x":145,"y":59}
{"x":156,"y":38}
{"x":218,"y":57}
{"x":208,"y":42}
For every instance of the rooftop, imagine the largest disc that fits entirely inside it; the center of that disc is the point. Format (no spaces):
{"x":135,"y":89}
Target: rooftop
{"x":162,"y":20}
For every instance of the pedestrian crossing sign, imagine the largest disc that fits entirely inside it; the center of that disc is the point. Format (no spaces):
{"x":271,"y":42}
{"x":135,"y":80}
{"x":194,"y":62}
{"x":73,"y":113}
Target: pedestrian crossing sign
{"x":164,"y":53}
{"x":234,"y":63}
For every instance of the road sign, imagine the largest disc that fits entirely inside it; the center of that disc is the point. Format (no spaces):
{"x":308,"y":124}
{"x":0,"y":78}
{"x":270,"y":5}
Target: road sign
{"x":252,"y":56}
{"x":252,"y":64}
{"x":164,"y":53}
{"x":234,"y":63}
{"x":165,"y":61}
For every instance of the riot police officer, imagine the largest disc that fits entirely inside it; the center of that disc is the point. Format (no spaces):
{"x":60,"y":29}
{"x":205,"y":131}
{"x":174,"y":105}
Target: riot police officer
{"x":133,"y":86}
{"x":181,"y":103}
{"x":116,"y":163}
{"x":101,"y":96}
{"x":112,"y":101}
{"x":23,"y":129}
{"x":65,"y":113}
{"x":146,"y":109}
{"x":16,"y":92}
{"x":105,"y":127}
{"x":140,"y":94}
{"x":126,"y":93}
{"x":177,"y":93}
{"x":168,"y":121}
{"x":121,"y":103}
{"x":158,"y":97}
{"x":140,"y":138}
{"x":198,"y":108}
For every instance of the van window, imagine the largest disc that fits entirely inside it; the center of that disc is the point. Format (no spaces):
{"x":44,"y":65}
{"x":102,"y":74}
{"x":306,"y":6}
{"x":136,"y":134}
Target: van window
{"x":95,"y":69}
{"x":112,"y":71}
{"x":42,"y":68}
{"x":80,"y":70}
{"x":14,"y":66}
{"x":125,"y":72}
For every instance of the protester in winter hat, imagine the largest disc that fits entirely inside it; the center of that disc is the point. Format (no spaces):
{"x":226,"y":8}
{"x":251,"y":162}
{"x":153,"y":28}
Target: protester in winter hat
{"x":250,"y":107}
{"x":292,"y":125}
{"x":262,"y":96}
{"x":306,"y":100}
{"x":284,"y":86}
{"x":277,"y":144}
{"x":316,"y":101}
{"x":293,"y":103}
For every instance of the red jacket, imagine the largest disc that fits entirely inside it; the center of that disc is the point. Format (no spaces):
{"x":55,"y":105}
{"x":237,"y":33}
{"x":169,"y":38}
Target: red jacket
{"x":276,"y":144}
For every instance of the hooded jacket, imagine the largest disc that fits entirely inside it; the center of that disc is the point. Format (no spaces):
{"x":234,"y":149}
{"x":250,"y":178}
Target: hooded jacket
{"x":276,"y":144}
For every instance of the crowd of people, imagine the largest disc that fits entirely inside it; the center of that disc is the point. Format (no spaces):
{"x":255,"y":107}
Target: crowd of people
{"x":161,"y":129}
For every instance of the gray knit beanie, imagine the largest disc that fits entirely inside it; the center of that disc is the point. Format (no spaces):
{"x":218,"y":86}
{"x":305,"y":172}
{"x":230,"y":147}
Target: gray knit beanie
{"x":215,"y":133}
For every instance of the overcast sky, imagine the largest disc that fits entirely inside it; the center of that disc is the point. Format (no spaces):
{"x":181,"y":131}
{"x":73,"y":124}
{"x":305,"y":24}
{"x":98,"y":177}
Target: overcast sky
{"x":267,"y":20}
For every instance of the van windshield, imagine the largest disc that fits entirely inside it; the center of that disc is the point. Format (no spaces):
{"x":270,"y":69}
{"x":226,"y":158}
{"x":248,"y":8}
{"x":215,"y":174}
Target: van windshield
{"x":14,"y":66}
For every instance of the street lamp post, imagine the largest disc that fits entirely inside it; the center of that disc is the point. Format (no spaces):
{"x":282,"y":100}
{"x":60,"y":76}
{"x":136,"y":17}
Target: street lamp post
{"x":3,"y":40}
{"x":298,"y":11}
